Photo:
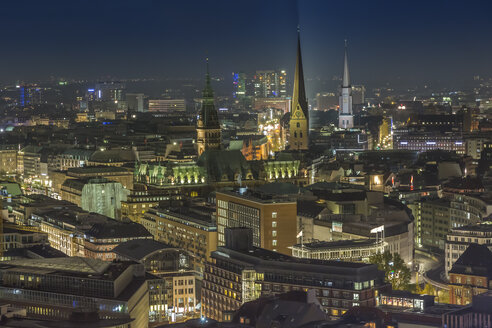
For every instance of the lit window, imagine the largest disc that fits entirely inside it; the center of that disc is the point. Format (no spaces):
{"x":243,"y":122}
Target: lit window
{"x":274,"y":242}
{"x":274,"y":224}
{"x":274,"y":215}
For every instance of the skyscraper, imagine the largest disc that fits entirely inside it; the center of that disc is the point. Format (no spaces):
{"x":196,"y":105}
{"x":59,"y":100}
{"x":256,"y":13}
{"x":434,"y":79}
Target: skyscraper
{"x":345,"y":115}
{"x":208,"y":125}
{"x":270,"y":84}
{"x":299,"y":113}
{"x":238,"y":85}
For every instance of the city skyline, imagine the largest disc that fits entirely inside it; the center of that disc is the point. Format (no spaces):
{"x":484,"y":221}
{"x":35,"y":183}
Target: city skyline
{"x":389,"y":43}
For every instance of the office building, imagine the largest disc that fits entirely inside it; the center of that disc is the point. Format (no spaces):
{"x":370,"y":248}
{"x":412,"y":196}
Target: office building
{"x":239,"y":81}
{"x":8,"y":159}
{"x":240,"y":272}
{"x":273,"y":220}
{"x":135,"y":102}
{"x":54,"y":288}
{"x":110,"y":91}
{"x":170,"y":106}
{"x":270,"y":84}
{"x":190,"y":228}
{"x":174,"y":295}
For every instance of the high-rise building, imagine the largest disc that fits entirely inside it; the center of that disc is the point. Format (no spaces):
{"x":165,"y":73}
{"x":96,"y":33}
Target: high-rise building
{"x":135,"y":102}
{"x":358,"y":94}
{"x":345,"y":115}
{"x":208,"y":130}
{"x":239,"y":85}
{"x":270,"y":84}
{"x":299,"y":113}
{"x":110,"y":91}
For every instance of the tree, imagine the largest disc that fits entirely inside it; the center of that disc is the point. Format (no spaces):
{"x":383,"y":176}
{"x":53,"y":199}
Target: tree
{"x":395,"y":270}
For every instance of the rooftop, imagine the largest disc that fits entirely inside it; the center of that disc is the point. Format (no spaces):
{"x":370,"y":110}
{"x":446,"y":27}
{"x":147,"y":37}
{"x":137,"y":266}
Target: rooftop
{"x":63,"y":264}
{"x":138,"y":249}
{"x":117,"y":229}
{"x":322,"y":245}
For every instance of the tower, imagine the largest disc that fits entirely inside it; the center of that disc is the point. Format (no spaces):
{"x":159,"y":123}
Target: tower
{"x":299,"y":112}
{"x":345,"y":114}
{"x":208,"y":125}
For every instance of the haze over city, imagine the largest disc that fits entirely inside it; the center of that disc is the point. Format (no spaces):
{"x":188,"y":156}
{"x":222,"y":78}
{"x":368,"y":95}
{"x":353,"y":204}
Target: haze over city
{"x":245,"y":164}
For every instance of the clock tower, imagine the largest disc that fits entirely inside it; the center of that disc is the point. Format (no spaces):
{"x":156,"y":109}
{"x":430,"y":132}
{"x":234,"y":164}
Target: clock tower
{"x":299,"y":113}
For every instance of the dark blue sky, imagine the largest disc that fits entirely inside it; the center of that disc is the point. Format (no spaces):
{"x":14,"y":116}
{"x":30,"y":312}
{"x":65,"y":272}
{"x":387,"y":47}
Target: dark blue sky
{"x":409,"y":41}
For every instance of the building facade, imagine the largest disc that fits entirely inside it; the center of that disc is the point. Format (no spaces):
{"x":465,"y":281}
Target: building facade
{"x":273,"y":221}
{"x":240,"y":272}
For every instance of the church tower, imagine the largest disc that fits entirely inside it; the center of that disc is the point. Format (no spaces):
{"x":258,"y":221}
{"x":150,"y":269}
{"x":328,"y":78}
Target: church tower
{"x":208,"y":125}
{"x":345,"y":114}
{"x":299,"y":112}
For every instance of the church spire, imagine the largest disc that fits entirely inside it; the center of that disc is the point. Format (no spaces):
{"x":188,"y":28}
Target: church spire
{"x":208,"y":92}
{"x":299,"y":112}
{"x":346,"y":74}
{"x":299,"y":93}
{"x":208,"y":115}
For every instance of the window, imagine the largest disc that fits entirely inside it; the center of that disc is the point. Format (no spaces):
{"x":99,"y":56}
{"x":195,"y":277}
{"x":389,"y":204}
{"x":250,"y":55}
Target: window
{"x":274,"y":224}
{"x":274,"y":233}
{"x":298,"y":124}
{"x":274,"y":215}
{"x":274,"y":242}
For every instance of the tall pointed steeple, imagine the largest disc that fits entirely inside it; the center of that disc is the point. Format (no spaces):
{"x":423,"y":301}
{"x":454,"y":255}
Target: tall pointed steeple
{"x":299,"y":113}
{"x":299,"y":92}
{"x":208,"y":113}
{"x":208,"y":130}
{"x":346,"y":74}
{"x":345,"y":114}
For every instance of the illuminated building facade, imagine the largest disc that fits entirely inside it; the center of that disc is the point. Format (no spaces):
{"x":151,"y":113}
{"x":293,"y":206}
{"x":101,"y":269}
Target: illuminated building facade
{"x":470,"y":275}
{"x":97,"y":195}
{"x":345,"y":113}
{"x":240,"y":272}
{"x":270,"y":84}
{"x":191,"y":230}
{"x":167,"y":105}
{"x":208,"y":130}
{"x":53,"y":288}
{"x":424,"y":141}
{"x":299,"y":113}
{"x":273,"y":221}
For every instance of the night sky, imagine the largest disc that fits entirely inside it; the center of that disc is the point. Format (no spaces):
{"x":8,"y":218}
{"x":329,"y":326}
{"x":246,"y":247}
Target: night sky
{"x":389,"y":41}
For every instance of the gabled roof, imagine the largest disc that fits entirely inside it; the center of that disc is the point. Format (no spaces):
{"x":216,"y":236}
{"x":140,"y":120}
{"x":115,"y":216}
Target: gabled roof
{"x":476,"y":260}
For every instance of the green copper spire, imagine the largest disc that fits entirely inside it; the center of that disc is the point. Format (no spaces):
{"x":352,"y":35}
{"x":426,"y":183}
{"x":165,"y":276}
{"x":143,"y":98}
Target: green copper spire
{"x":208,"y":92}
{"x":208,"y":114}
